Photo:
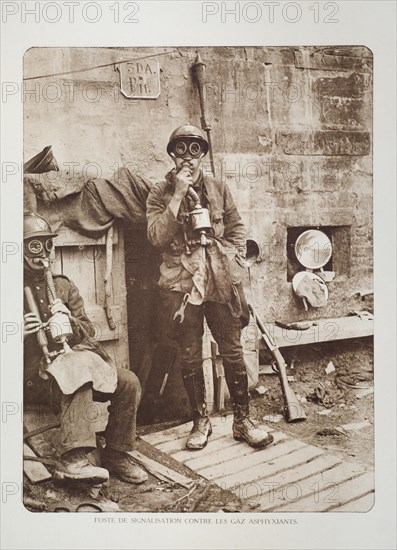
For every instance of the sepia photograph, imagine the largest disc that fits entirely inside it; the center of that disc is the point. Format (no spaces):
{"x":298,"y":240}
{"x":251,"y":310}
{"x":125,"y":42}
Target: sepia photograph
{"x":198,"y":290}
{"x":197,"y":293}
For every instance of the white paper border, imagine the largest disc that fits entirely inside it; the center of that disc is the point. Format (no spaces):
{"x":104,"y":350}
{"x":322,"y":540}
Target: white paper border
{"x":163,"y":23}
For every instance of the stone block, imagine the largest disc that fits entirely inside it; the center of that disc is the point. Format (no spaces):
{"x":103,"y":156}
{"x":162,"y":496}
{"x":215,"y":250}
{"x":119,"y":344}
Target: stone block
{"x":326,"y":143}
{"x":337,"y":58}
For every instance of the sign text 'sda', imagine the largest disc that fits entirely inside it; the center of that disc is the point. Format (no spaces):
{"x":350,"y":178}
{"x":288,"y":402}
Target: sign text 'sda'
{"x":140,"y":79}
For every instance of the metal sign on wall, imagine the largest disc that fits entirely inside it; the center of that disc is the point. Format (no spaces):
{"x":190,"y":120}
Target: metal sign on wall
{"x":140,"y":79}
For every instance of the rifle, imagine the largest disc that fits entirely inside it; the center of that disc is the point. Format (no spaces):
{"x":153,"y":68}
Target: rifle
{"x":293,"y":409}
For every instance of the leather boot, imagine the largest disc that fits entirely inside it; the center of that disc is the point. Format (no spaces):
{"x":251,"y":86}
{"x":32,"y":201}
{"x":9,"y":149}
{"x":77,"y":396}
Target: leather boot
{"x":194,"y":385}
{"x":123,"y":465}
{"x":244,"y":428}
{"x":199,"y":434}
{"x":75,"y":466}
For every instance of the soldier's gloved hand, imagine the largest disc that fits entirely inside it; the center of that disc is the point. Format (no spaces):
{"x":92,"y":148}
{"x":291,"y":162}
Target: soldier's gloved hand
{"x":31,"y":324}
{"x":58,"y":306}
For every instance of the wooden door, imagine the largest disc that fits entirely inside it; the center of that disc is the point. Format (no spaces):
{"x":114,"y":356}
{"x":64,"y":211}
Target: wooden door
{"x":83,"y":260}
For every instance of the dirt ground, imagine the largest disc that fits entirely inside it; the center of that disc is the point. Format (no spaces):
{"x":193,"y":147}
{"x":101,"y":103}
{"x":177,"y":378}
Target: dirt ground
{"x":343,"y":397}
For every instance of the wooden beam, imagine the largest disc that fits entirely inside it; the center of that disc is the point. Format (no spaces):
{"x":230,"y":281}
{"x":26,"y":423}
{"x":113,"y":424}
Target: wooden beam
{"x":35,"y":471}
{"x":69,"y":237}
{"x":160,"y":471}
{"x":326,"y":330}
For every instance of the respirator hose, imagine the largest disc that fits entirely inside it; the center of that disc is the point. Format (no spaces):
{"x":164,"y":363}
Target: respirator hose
{"x":51,"y":292}
{"x":191,"y":193}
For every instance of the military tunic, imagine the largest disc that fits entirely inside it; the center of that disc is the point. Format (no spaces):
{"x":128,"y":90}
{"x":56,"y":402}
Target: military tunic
{"x":122,"y":387}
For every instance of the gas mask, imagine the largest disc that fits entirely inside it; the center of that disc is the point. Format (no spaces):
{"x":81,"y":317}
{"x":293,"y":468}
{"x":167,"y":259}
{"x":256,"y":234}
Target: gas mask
{"x":37,"y":248}
{"x":198,"y":217}
{"x":188,"y":143}
{"x":37,"y":252}
{"x":187,"y":148}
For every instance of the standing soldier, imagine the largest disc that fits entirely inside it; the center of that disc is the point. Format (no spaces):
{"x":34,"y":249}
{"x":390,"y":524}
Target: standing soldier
{"x":73,"y":370}
{"x":203,"y":264}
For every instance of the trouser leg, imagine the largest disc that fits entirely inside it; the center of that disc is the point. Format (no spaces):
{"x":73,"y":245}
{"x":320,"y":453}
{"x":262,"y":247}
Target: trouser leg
{"x":188,"y":336}
{"x":79,"y":413}
{"x":226,"y":331}
{"x":120,"y":431}
{"x":77,"y":426}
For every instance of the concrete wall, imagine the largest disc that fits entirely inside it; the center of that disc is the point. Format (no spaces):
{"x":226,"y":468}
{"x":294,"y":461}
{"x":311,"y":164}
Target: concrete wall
{"x":291,"y":135}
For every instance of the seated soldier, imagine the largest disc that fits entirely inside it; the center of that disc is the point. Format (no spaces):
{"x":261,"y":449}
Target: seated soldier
{"x":74,"y":371}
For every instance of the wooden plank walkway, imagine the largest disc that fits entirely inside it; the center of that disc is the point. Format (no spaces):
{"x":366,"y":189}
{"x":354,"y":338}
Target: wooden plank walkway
{"x":288,"y":476}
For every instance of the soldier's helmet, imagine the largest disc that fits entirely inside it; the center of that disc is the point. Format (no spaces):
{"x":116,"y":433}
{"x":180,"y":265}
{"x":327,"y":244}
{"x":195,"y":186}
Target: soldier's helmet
{"x":36,"y":226}
{"x":190,"y":133}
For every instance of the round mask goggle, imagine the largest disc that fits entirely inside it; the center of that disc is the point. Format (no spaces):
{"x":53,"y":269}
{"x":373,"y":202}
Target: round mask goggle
{"x":191,"y":149}
{"x":35,"y":247}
